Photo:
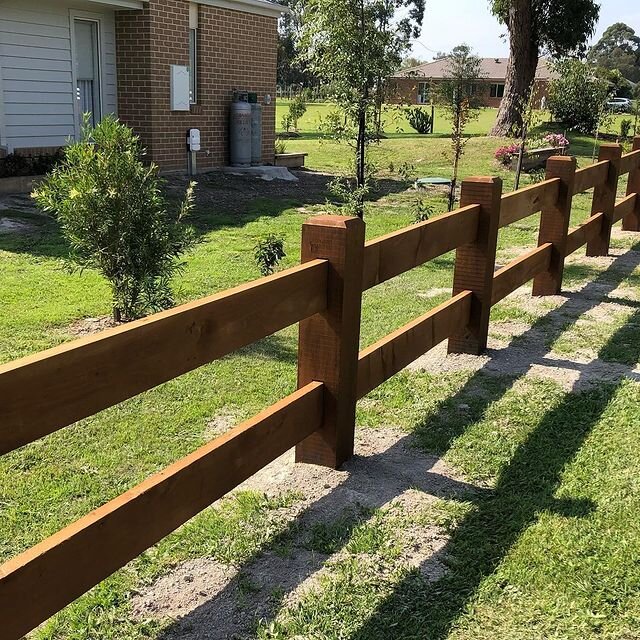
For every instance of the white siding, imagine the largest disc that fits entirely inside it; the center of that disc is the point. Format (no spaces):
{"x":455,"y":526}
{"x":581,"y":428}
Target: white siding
{"x":36,"y":88}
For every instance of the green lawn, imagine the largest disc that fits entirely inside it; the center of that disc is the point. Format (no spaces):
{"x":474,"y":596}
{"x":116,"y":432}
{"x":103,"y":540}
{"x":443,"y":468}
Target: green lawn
{"x":548,"y":548}
{"x":395,"y":122}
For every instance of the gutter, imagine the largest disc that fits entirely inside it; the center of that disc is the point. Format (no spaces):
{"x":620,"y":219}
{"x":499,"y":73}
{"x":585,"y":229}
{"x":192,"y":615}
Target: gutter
{"x":259,"y":7}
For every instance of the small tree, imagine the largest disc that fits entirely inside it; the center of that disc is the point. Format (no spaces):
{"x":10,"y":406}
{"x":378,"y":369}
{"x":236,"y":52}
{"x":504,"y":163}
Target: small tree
{"x":268,"y":253}
{"x":577,"y":97}
{"x":297,"y":108}
{"x":352,"y":45}
{"x":113,"y":215}
{"x":460,"y":93}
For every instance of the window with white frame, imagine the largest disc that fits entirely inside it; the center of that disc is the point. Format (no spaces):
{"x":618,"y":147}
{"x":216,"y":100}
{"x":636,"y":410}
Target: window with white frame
{"x":193,"y":53}
{"x":423,"y":92}
{"x":496,"y":90}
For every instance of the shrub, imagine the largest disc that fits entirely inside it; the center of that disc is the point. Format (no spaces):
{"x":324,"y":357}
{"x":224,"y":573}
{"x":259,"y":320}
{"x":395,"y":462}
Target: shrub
{"x":423,"y":211}
{"x":280,"y":146}
{"x":268,"y":253}
{"x":625,"y":128}
{"x":577,"y":97}
{"x":112,"y":213}
{"x":286,"y":122}
{"x":420,"y":120}
{"x":15,"y":165}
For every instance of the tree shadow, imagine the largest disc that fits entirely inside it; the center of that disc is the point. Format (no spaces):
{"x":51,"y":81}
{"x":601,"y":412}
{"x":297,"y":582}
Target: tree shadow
{"x":223,"y":200}
{"x":526,"y":487}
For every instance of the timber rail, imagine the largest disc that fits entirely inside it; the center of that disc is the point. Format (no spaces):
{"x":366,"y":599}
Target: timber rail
{"x":48,"y":391}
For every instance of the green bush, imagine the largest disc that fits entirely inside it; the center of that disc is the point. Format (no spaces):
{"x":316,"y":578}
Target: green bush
{"x":420,"y":120}
{"x":578,"y":98}
{"x":625,"y":128}
{"x":115,"y":218}
{"x":268,"y":253}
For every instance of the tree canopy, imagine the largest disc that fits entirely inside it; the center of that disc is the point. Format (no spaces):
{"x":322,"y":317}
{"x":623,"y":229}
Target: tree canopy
{"x":619,"y":49}
{"x":354,"y":45}
{"x":555,"y":27}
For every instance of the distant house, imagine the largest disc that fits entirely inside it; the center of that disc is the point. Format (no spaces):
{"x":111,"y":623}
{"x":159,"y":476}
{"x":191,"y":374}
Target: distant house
{"x":417,"y":85}
{"x":163,"y":66}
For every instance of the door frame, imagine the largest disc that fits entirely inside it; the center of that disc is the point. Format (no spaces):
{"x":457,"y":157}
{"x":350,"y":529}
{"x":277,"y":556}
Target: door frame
{"x":98,"y":19}
{"x":4,"y":142}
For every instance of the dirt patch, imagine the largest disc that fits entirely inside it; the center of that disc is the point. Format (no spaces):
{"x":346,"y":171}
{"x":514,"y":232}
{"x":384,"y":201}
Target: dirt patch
{"x":13,"y":225}
{"x":89,"y":326}
{"x":434,"y":293}
{"x":211,"y":601}
{"x":220,"y":424}
{"x":517,"y":349}
{"x":18,"y":202}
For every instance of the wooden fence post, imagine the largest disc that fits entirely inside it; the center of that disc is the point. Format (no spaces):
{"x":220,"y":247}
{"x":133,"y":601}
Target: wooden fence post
{"x":329,"y":341}
{"x":554,"y":225}
{"x":475,"y":263}
{"x":631,"y":222}
{"x":604,"y":199}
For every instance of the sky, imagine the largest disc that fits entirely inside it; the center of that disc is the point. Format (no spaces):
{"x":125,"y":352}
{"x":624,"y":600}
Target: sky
{"x":450,"y":23}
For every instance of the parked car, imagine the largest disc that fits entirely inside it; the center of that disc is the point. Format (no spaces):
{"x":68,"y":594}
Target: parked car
{"x":620,"y":105}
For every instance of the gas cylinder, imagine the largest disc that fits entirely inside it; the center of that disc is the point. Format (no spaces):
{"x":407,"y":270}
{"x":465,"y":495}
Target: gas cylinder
{"x":240,"y":131}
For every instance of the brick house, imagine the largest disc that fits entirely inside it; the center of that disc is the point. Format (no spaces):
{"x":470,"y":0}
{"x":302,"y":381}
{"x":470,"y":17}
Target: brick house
{"x":163,"y":66}
{"x":418,"y":85}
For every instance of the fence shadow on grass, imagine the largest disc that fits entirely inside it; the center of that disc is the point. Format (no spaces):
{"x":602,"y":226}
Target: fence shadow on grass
{"x":421,"y":608}
{"x":527,"y":484}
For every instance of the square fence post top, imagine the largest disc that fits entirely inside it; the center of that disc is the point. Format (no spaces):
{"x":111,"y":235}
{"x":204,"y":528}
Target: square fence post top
{"x":334,"y":221}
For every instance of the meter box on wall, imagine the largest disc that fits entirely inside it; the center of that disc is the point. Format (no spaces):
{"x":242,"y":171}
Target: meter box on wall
{"x":193,"y":140}
{"x":180,"y":88}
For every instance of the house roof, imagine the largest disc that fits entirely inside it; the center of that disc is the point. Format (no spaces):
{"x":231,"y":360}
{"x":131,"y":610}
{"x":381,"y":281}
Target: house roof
{"x":490,"y":69}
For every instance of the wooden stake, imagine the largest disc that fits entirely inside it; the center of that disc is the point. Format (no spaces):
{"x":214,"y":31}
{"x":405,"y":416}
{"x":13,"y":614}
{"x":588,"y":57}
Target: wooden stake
{"x":631,"y":222}
{"x":475,"y":263}
{"x":329,"y":340}
{"x":604,"y":199}
{"x":554,"y":225}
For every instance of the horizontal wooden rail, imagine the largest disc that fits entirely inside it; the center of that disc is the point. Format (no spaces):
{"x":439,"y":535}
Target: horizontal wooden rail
{"x":579,"y":236}
{"x":47,"y":577}
{"x":624,"y":207}
{"x":50,"y":390}
{"x":520,"y":271}
{"x":394,"y":352}
{"x":629,"y":162}
{"x":525,"y":202}
{"x":400,"y":251}
{"x":592,"y":176}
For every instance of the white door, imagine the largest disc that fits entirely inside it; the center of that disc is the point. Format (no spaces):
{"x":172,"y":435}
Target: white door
{"x":87,"y":67}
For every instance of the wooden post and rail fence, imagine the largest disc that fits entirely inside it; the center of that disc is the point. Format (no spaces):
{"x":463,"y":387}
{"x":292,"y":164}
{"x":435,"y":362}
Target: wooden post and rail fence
{"x":47,"y":391}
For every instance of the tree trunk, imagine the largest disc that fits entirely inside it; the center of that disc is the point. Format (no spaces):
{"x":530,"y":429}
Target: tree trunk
{"x":361,"y":158}
{"x":524,"y":52}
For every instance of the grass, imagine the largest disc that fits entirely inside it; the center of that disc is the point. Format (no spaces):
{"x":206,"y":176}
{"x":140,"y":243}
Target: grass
{"x":546,"y":551}
{"x":395,"y":123}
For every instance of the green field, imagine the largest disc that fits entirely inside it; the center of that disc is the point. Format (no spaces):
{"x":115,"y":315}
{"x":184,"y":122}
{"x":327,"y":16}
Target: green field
{"x":542,"y":544}
{"x":395,"y":122}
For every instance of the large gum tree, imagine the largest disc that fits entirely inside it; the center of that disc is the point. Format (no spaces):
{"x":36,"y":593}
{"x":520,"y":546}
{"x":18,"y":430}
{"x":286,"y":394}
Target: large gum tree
{"x":555,"y":27}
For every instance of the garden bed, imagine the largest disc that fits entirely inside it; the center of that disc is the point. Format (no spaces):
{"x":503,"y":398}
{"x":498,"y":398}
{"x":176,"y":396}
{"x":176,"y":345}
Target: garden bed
{"x":291,"y":160}
{"x":537,"y":158}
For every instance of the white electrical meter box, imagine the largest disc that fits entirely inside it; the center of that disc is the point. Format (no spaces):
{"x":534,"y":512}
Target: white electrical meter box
{"x":180,"y":88}
{"x":194,"y":140}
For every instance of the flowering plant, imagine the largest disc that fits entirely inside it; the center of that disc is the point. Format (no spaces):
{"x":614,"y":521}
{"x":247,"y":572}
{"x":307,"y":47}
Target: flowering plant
{"x":505,"y":154}
{"x":556,"y":140}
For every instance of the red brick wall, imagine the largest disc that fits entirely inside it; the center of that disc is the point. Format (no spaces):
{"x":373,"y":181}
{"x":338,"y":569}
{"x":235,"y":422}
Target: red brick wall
{"x":235,"y":50}
{"x":405,"y":90}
